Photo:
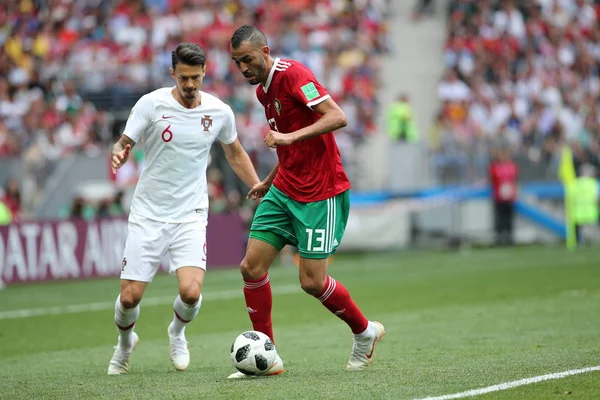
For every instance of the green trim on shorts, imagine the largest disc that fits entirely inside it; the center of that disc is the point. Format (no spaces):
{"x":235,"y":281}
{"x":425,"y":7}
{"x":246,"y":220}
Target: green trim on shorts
{"x":269,"y":237}
{"x":315,"y":256}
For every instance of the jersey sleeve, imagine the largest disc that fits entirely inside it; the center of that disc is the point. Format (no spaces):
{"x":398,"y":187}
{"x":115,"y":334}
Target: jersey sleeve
{"x":305,"y":88}
{"x":139,"y":118}
{"x":228,"y":132}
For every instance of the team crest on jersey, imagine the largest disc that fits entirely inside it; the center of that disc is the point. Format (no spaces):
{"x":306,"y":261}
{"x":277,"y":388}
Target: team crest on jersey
{"x":206,"y":122}
{"x":123,"y":264}
{"x":277,"y":106}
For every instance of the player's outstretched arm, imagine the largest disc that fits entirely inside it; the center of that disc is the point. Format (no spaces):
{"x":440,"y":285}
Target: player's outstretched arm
{"x":120,"y":152}
{"x":240,"y":162}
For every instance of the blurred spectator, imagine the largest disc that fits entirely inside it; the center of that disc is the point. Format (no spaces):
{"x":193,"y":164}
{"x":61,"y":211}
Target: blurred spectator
{"x":87,"y":208}
{"x":503,"y":174}
{"x":12,"y":198}
{"x":423,"y":7}
{"x":402,"y":126}
{"x":109,"y":207}
{"x":449,"y":147}
{"x":76,"y":210}
{"x":523,"y":74}
{"x":103,"y":210}
{"x":5,"y":215}
{"x":116,"y":205}
{"x":585,"y":193}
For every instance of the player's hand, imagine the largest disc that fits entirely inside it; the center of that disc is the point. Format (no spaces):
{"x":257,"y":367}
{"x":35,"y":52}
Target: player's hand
{"x":258,"y":191}
{"x":274,"y":139}
{"x":120,"y":158}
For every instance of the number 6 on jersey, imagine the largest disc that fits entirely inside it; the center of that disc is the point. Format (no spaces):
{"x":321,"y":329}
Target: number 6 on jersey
{"x":167,"y":135}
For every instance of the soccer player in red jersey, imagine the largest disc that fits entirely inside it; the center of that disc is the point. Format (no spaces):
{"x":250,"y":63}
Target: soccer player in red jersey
{"x":307,"y":197}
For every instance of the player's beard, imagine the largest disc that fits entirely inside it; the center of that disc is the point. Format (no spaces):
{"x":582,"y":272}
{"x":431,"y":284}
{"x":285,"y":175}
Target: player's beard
{"x":190,"y":94}
{"x":252,"y":79}
{"x":257,"y":75}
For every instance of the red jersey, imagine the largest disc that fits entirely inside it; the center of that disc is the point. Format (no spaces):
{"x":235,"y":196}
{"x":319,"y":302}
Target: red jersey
{"x":309,"y":170}
{"x":503,"y":176}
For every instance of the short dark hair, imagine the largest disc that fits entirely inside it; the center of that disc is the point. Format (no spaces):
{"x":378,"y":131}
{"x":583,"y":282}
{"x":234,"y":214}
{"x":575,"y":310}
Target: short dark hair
{"x":189,"y":54}
{"x":248,"y":33}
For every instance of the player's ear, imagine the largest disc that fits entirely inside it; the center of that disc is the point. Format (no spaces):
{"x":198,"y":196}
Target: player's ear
{"x":266,"y":50}
{"x":172,"y":71}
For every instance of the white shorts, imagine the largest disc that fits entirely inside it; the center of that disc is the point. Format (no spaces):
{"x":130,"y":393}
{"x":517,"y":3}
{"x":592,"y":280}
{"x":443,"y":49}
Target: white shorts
{"x":149,"y":242}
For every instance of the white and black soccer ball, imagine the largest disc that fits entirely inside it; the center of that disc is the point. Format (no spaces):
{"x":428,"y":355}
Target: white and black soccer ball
{"x":252,"y":353}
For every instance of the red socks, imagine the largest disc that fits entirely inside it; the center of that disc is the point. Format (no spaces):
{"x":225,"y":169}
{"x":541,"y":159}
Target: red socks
{"x":334,"y":296}
{"x":259,"y":302}
{"x":337,"y":300}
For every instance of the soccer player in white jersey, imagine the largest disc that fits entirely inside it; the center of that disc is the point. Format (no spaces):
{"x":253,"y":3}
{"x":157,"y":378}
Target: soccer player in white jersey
{"x":169,"y":209}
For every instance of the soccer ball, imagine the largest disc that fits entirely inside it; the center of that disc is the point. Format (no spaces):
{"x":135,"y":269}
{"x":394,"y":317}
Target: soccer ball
{"x":252,"y":353}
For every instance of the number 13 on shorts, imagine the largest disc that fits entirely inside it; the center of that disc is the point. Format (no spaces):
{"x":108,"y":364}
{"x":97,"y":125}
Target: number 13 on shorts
{"x":322,"y":225}
{"x":316,"y":236}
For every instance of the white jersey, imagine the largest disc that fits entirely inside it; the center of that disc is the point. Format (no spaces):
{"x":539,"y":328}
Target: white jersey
{"x":177,"y":141}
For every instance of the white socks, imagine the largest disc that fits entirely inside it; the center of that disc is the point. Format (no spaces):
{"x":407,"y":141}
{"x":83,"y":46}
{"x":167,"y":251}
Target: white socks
{"x":125,"y":320}
{"x":184,"y":313}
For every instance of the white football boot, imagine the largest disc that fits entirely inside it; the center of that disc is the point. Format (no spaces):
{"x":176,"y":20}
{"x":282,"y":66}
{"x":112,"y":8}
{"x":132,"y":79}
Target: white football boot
{"x":180,"y":355}
{"x":119,"y":363}
{"x":363,"y":349}
{"x":275,"y":369}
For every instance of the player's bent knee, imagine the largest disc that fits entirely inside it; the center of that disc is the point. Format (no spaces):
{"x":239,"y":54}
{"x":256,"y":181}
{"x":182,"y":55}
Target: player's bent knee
{"x":190,"y":280}
{"x":311,"y":285}
{"x":131,"y":293}
{"x":190,"y":295}
{"x":130,"y":299}
{"x":252,"y":270}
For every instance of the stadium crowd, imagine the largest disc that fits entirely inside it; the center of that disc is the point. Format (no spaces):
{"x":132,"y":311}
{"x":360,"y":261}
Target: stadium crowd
{"x":69,"y":67}
{"x":522,"y":75}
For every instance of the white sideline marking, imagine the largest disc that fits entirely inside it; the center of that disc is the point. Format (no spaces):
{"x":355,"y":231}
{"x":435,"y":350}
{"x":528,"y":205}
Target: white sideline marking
{"x":513,"y":384}
{"x":150,"y":301}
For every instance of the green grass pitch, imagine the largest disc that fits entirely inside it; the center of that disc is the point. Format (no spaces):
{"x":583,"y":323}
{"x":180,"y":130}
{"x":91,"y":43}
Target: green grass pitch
{"x":454,"y":322}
